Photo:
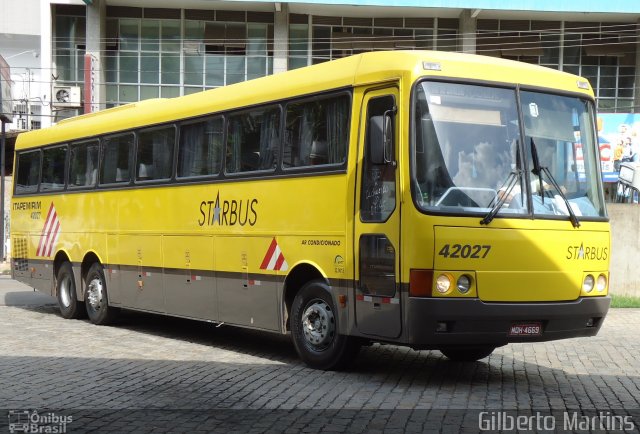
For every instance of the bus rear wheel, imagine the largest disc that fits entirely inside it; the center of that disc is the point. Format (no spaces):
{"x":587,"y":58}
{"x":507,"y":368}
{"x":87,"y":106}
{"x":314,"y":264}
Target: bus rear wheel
{"x":96,"y":298}
{"x":70,"y":307}
{"x":314,"y":327}
{"x":467,"y":354}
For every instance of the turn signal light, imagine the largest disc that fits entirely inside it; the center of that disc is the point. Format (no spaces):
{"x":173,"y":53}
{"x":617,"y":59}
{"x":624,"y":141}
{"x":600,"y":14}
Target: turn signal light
{"x":601,"y":283}
{"x":420,"y":283}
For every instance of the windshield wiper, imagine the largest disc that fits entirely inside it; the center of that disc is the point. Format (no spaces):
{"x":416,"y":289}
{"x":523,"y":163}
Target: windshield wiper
{"x":510,"y":183}
{"x":538,"y":170}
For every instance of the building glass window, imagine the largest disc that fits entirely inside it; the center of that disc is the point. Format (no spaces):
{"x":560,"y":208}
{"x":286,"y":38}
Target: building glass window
{"x":298,"y":45}
{"x":604,"y":54}
{"x":337,"y":37}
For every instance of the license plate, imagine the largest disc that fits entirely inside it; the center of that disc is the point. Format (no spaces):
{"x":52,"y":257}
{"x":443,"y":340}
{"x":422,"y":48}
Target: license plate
{"x":526,"y":329}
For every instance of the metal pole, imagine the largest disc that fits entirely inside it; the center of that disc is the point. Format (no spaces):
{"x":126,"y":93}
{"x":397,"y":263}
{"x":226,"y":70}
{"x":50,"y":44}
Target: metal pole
{"x":2,"y":235}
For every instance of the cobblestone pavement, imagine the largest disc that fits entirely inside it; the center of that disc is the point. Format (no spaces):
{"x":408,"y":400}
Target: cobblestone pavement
{"x":156,"y":374}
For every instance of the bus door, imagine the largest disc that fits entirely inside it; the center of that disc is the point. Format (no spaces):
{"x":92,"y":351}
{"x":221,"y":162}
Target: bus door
{"x":377,"y":222}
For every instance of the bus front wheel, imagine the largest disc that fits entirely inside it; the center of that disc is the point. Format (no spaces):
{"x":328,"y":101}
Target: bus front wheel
{"x":314,"y":326}
{"x":95,"y":297}
{"x":70,"y":307}
{"x":467,"y":354}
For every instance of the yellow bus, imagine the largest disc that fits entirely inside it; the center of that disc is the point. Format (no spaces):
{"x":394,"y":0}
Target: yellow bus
{"x":434,"y":200}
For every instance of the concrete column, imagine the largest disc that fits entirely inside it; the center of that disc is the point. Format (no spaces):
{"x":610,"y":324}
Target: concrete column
{"x":468,"y":27}
{"x":280,"y":38}
{"x":96,"y":34}
{"x":636,"y":93}
{"x":46,"y":62}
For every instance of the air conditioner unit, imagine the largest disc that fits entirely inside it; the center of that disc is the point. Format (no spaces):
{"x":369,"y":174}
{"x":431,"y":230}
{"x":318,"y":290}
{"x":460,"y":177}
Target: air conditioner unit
{"x":66,"y":96}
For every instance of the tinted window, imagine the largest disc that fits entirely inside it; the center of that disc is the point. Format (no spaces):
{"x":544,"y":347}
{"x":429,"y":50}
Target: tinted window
{"x":28,"y":172}
{"x":53,"y":165}
{"x":155,"y":154}
{"x":201,"y":148}
{"x":83,"y":166}
{"x":116,"y":159}
{"x":253,"y":140}
{"x":316,"y":132}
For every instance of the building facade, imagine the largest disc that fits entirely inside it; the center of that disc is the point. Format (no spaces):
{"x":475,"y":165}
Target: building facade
{"x":95,"y":54}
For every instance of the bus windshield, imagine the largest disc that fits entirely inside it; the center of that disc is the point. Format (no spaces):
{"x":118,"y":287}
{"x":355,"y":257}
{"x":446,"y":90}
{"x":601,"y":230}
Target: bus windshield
{"x":469,"y":154}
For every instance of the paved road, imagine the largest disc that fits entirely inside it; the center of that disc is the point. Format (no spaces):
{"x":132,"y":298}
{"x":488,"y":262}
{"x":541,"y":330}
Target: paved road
{"x":156,"y":374}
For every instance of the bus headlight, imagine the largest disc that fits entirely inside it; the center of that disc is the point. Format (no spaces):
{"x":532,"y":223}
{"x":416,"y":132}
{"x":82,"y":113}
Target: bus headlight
{"x":464,"y":284}
{"x":443,"y":283}
{"x":587,"y":284}
{"x":601,"y":283}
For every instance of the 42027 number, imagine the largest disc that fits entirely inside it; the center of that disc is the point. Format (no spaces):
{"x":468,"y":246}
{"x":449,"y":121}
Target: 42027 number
{"x":471,"y":251}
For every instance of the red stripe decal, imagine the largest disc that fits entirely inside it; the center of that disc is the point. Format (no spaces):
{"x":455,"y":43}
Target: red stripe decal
{"x":44,"y":229}
{"x":267,"y":257}
{"x":279,"y":262}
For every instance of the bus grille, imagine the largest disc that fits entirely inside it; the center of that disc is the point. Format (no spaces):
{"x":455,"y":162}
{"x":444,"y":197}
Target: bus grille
{"x":20,"y":261}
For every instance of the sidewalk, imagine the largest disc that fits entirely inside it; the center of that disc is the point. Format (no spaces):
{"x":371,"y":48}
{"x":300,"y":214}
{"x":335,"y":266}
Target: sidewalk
{"x":13,"y":293}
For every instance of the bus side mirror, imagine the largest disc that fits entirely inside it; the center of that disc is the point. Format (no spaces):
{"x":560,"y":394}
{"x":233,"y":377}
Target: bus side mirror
{"x":381,"y":138}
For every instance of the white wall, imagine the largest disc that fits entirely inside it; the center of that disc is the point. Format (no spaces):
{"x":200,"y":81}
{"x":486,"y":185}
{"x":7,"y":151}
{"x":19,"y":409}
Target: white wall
{"x":20,"y":17}
{"x":625,"y":248}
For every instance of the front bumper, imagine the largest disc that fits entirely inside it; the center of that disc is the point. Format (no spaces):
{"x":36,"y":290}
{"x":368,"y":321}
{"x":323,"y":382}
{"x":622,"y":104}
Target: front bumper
{"x":472,"y":322}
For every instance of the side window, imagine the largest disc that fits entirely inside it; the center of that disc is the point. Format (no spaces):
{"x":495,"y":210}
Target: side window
{"x":253,"y":140}
{"x":378,"y":195}
{"x":116,"y":159}
{"x":201,"y":148}
{"x":316,"y":132}
{"x":53,"y":166}
{"x":83,"y":166}
{"x":28,"y":172}
{"x":155,"y":154}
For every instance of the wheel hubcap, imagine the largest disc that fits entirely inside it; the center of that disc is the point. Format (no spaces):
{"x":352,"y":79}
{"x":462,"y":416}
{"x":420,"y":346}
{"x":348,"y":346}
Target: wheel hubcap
{"x":65,"y":292}
{"x":318,"y":324}
{"x":94,"y":293}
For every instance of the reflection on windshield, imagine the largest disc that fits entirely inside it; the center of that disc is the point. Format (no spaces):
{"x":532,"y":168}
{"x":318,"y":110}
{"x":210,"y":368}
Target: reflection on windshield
{"x":558,"y":126}
{"x":468,"y":151}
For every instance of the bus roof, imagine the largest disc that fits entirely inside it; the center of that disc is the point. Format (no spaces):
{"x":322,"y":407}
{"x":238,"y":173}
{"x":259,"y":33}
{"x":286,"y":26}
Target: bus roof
{"x":355,"y":70}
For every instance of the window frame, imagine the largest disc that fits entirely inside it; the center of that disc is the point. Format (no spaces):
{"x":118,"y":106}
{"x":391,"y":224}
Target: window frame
{"x":73,"y":187}
{"x":311,"y":98}
{"x":189,"y":122}
{"x":137,"y":134}
{"x":37,"y":185}
{"x":132,"y":153}
{"x":262,"y":107}
{"x":65,"y":168}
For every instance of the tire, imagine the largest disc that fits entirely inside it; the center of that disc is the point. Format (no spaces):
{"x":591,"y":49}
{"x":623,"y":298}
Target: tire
{"x":70,"y":307}
{"x":96,"y":297}
{"x":314,"y":328}
{"x":467,"y":354}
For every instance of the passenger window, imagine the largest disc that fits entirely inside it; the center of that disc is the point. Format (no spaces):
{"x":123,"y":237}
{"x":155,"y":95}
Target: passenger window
{"x":253,"y":140}
{"x":155,"y":154}
{"x":116,"y":159}
{"x":316,"y":132}
{"x":201,"y":148}
{"x":53,"y":166}
{"x":83,"y":166}
{"x":28,"y":172}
